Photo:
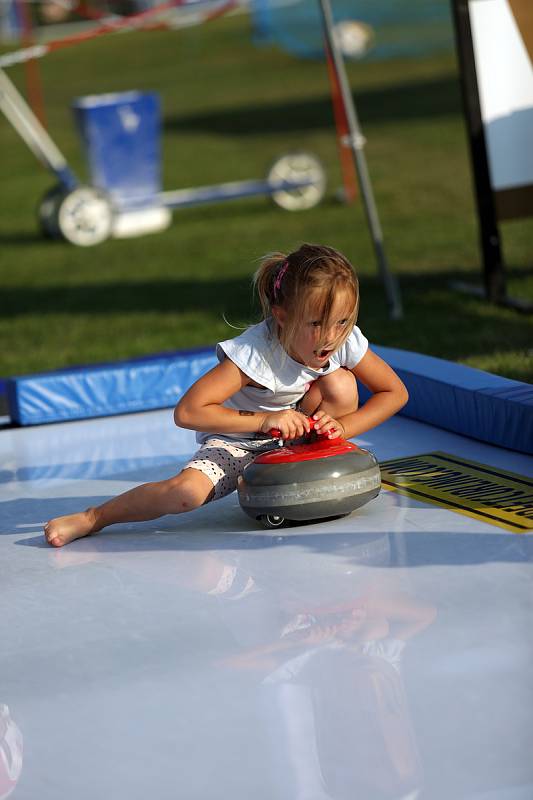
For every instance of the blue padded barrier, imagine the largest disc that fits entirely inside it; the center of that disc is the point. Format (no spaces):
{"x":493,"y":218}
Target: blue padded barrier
{"x":452,"y":396}
{"x":95,"y":391}
{"x":464,"y":400}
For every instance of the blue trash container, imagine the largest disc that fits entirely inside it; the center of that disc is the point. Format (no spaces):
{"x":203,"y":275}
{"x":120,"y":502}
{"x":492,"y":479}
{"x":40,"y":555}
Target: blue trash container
{"x":121,"y":135}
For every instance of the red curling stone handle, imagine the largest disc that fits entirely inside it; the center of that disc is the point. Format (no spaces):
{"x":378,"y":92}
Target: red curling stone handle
{"x":276,"y":433}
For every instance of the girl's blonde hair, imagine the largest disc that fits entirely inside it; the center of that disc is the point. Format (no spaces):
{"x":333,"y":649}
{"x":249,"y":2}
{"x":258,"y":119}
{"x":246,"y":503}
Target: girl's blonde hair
{"x":313,"y":272}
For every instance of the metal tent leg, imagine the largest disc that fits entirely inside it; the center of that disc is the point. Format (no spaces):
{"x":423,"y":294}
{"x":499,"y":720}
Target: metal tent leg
{"x":32,"y":132}
{"x":356,"y":143}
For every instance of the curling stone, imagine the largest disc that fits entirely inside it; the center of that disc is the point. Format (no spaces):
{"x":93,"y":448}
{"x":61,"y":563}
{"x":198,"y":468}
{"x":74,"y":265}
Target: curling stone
{"x":310,"y":481}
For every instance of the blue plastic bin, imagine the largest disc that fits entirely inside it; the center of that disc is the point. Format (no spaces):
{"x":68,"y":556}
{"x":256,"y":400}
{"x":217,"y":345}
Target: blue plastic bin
{"x":121,"y":135}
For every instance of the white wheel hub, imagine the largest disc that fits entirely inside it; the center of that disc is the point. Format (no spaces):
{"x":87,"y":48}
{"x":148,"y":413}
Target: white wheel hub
{"x":85,"y":217}
{"x":298,"y":168}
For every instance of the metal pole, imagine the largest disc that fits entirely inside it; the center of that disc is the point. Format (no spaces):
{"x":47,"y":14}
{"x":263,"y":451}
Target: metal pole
{"x":32,"y":132}
{"x":357,"y":143}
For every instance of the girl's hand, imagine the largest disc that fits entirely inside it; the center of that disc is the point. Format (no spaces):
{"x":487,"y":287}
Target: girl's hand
{"x":326,"y":425}
{"x":291,"y":424}
{"x":319,"y":634}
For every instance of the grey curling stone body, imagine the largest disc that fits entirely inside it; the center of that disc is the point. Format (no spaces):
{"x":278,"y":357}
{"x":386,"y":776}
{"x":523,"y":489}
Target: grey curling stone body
{"x":326,"y":478}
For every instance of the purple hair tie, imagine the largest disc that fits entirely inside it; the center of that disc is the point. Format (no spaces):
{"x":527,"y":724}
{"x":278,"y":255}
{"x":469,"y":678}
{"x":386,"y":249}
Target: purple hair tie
{"x":279,"y":277}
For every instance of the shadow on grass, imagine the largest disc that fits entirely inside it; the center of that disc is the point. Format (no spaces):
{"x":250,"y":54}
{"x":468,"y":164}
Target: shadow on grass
{"x":437,"y":320}
{"x":165,"y":296}
{"x":410,"y":101}
{"x":22,"y":238}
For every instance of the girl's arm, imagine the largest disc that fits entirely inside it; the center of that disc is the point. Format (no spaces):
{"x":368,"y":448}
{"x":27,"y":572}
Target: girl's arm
{"x":201,"y":408}
{"x":388,"y":395}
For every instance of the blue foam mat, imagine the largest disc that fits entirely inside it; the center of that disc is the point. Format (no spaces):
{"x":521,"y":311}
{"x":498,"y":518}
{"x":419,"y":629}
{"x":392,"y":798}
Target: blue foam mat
{"x":451,"y":396}
{"x":142,"y":384}
{"x":464,"y":400}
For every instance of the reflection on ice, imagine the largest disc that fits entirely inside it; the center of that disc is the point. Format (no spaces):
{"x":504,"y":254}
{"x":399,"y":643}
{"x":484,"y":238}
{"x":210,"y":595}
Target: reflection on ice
{"x":328,"y":663}
{"x":10,"y":753}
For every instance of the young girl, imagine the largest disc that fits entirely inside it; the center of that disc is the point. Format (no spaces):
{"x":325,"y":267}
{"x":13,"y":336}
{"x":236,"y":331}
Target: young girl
{"x":301,"y":362}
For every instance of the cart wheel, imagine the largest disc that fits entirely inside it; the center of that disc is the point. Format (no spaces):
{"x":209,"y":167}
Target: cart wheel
{"x":274,"y":521}
{"x":83,"y":216}
{"x":297,"y":167}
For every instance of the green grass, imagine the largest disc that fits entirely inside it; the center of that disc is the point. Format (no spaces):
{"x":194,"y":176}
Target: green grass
{"x":229,"y":110}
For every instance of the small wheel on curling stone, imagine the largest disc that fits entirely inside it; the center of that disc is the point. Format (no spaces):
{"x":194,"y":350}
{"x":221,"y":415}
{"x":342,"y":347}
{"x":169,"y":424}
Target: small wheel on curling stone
{"x":298,"y":167}
{"x":274,"y":521}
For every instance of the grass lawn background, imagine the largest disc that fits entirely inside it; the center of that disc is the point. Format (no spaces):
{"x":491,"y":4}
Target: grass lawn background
{"x":229,"y":109}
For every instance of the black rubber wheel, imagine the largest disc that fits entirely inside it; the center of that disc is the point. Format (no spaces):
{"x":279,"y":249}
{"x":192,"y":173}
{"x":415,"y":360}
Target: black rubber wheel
{"x":47,"y":211}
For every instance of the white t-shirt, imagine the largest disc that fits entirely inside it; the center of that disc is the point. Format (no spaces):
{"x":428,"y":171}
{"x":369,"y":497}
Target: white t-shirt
{"x":258,"y":353}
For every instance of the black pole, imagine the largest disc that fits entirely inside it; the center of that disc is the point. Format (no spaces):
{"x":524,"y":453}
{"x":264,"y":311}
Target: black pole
{"x":493,"y":266}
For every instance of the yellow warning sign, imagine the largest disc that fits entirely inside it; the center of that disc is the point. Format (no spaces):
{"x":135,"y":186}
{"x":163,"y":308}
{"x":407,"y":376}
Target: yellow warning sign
{"x":477,"y":490}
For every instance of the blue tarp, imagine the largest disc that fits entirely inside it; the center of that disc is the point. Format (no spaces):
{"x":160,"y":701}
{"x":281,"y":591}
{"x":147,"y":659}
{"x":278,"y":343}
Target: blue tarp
{"x":451,"y":396}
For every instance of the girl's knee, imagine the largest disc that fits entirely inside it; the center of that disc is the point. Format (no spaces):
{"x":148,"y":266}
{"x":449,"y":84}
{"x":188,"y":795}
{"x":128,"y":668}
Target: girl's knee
{"x":189,"y":490}
{"x":338,"y":390}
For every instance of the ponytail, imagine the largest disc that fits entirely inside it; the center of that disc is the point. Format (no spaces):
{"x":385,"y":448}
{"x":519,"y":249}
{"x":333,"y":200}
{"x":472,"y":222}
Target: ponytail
{"x":264,"y":281}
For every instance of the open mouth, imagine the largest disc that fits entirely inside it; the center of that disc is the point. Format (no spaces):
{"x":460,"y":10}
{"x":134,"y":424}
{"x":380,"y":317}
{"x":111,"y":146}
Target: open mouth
{"x":322,"y":353}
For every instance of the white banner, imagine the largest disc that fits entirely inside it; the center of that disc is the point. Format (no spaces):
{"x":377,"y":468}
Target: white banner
{"x":502,"y":34}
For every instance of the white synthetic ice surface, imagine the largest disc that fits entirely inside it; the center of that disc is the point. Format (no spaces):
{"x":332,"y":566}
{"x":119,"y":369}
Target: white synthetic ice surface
{"x":383,"y":655}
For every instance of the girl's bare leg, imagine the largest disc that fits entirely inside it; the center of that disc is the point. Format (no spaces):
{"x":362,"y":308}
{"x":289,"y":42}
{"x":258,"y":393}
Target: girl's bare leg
{"x":336,"y":394}
{"x":188,"y":490}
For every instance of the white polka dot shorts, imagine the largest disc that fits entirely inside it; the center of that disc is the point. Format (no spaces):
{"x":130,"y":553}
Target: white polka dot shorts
{"x":222,"y":462}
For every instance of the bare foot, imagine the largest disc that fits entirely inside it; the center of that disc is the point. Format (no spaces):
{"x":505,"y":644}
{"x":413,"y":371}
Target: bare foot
{"x":62,"y":530}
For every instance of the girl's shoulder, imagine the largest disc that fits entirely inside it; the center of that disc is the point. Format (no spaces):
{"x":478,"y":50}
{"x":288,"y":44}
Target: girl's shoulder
{"x":252,"y":352}
{"x":256,"y":337}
